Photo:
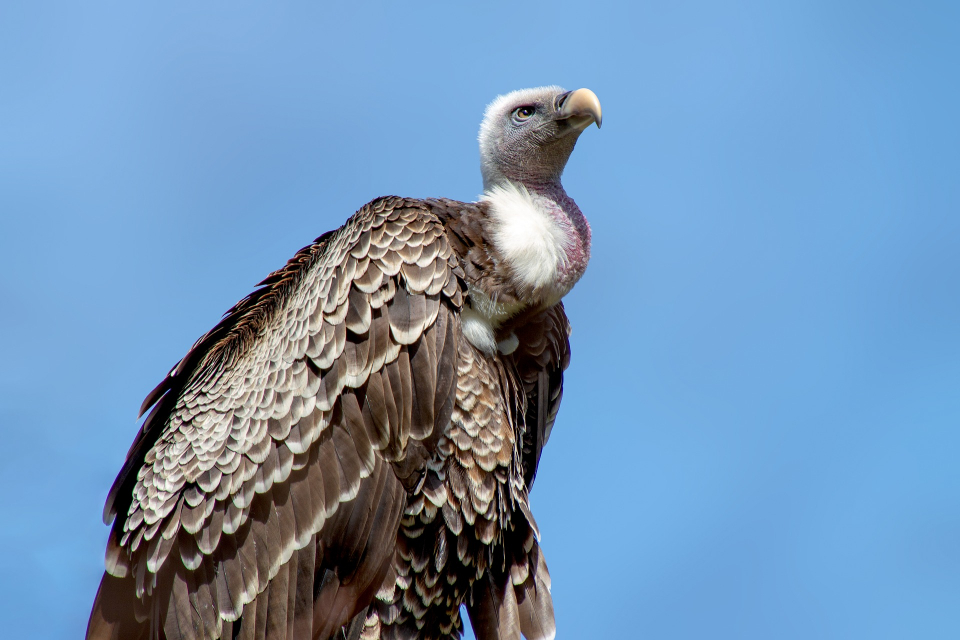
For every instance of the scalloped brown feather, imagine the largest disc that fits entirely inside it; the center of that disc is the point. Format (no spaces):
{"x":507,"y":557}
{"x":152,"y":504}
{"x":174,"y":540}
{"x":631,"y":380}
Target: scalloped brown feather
{"x":333,"y":458}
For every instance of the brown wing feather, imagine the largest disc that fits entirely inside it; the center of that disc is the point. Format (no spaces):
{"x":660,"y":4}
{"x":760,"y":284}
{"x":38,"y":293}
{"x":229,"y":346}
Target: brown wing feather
{"x":278,"y":449}
{"x":540,"y":360}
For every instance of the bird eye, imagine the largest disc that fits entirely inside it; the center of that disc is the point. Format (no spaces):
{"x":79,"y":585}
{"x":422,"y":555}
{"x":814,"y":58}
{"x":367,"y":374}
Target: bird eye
{"x":523,"y":113}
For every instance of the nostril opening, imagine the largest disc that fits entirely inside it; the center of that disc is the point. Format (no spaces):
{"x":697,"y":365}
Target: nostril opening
{"x":561,"y":99}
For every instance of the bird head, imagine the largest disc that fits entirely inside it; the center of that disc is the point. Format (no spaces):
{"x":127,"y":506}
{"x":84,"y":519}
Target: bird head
{"x":527,"y":136}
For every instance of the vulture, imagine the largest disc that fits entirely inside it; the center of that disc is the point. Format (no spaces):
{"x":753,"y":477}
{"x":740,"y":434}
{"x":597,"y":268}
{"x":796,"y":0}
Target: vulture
{"x":349,"y":453}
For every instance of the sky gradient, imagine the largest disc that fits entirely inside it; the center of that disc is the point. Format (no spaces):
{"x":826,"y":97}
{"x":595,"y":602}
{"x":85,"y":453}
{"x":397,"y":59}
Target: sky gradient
{"x":761,"y":423}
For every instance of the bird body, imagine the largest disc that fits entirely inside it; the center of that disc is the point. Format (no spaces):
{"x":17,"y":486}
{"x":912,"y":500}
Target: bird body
{"x":349,"y":452}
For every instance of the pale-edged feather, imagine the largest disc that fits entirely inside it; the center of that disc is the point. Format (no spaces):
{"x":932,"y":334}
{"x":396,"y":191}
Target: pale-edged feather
{"x":535,"y":604}
{"x":287,"y":438}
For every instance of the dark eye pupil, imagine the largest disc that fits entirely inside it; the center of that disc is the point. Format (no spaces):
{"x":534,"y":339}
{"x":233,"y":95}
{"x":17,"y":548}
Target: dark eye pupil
{"x":526,"y":111}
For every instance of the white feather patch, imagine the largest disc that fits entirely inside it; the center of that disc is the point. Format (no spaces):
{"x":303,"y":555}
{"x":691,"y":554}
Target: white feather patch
{"x":527,"y":236}
{"x":478,"y":330}
{"x":509,"y":344}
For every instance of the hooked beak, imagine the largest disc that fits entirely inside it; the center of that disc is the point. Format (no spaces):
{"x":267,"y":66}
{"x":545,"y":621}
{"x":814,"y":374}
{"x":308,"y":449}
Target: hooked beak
{"x":580,"y":108}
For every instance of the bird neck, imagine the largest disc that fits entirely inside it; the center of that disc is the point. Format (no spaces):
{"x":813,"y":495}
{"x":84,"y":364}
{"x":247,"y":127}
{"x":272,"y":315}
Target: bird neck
{"x":569,"y":216}
{"x":543,"y":236}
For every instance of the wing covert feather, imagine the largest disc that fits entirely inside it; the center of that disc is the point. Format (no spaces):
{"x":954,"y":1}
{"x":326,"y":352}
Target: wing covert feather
{"x":307,"y":388}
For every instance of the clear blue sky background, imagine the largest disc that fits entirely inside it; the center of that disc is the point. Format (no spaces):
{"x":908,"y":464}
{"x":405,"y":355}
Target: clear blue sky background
{"x":761,"y":428}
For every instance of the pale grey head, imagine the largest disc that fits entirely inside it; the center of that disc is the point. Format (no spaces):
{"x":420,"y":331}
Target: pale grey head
{"x":527,"y":136}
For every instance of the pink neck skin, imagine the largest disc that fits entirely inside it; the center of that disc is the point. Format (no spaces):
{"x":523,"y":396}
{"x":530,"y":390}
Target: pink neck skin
{"x":574,"y":223}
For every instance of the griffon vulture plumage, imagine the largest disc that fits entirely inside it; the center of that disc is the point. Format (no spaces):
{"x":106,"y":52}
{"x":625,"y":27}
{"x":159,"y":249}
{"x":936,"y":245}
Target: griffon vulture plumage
{"x":348,"y":453}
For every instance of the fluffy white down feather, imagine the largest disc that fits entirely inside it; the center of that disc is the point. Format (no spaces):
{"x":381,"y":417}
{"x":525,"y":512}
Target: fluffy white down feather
{"x":527,"y":236}
{"x":478,"y":331}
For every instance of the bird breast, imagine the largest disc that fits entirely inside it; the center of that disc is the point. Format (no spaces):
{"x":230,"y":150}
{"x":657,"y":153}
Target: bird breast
{"x":540,"y":247}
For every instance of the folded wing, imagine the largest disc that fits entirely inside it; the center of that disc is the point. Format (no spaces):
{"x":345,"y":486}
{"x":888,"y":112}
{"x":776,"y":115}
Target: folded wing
{"x":262,"y":495}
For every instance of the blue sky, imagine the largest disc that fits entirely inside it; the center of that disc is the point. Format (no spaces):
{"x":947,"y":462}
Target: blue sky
{"x":759,"y":435}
